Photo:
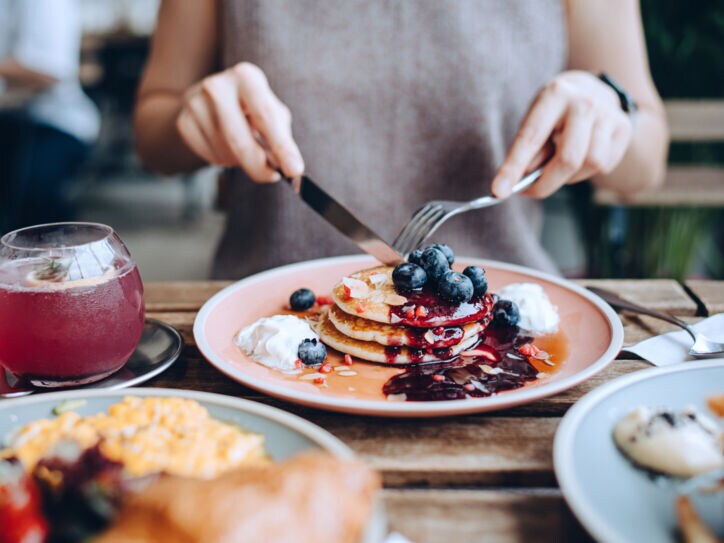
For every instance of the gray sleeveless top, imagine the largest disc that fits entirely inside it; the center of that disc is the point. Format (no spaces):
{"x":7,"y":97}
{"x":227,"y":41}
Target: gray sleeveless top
{"x":395,"y":102}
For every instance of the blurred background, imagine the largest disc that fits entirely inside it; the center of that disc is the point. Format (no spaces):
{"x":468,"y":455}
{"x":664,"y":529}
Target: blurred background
{"x":171,"y":226}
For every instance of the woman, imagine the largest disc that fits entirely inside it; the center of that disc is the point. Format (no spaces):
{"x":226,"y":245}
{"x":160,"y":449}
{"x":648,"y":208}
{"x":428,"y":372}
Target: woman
{"x":396,"y":103}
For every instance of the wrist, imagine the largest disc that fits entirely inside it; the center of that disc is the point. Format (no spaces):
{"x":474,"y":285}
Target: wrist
{"x":626,"y":102}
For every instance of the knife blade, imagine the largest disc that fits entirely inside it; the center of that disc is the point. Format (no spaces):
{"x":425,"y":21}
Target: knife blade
{"x":343,"y":220}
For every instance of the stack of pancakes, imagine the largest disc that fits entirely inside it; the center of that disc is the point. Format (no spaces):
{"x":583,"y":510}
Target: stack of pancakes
{"x":372,"y":321}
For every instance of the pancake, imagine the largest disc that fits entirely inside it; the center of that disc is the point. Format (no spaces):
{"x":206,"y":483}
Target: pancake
{"x":388,"y":334}
{"x":375,"y":352}
{"x":371,"y":294}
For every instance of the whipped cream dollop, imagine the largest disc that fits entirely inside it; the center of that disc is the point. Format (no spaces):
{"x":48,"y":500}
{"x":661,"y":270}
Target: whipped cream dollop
{"x":274,"y":341}
{"x":683,"y":444}
{"x":538,"y":316}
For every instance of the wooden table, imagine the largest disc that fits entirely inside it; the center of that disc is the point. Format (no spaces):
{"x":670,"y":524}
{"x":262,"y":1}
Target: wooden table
{"x":485,"y":477}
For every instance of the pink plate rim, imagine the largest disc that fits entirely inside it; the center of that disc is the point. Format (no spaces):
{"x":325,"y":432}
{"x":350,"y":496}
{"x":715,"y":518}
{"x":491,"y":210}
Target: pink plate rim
{"x":408,"y":409}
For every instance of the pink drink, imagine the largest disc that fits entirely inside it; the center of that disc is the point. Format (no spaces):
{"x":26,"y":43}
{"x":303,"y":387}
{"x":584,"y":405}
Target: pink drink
{"x":71,"y":303}
{"x":82,"y":331}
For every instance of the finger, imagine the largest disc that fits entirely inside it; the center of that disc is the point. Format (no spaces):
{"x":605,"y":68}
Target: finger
{"x":544,"y":115}
{"x":570,"y":153}
{"x":235,"y":131}
{"x":620,"y":140}
{"x":598,"y":156}
{"x":194,"y":137}
{"x":270,"y":117}
{"x":202,"y":110}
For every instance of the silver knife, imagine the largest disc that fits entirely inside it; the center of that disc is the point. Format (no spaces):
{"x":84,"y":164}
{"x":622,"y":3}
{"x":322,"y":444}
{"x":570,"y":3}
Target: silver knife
{"x":343,"y":220}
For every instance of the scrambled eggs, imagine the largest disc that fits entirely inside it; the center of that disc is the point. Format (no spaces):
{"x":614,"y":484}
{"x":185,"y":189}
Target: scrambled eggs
{"x":147,"y":435}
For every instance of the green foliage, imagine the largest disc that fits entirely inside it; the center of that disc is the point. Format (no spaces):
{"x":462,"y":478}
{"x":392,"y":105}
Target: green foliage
{"x":685,"y":39}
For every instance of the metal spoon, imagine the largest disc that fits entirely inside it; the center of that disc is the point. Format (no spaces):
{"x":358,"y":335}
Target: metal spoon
{"x":703,"y":347}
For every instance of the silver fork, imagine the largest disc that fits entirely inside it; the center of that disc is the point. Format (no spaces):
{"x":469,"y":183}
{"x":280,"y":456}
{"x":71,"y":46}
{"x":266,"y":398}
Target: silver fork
{"x":426,"y":220}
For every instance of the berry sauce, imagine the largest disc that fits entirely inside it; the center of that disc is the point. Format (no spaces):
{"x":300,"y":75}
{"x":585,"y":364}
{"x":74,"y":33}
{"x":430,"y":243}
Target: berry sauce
{"x":440,"y":337}
{"x":501,"y":368}
{"x":424,"y":309}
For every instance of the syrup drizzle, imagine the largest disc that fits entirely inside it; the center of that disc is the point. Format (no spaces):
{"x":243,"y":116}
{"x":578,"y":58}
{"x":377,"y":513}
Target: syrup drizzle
{"x":438,"y":312}
{"x":476,"y":377}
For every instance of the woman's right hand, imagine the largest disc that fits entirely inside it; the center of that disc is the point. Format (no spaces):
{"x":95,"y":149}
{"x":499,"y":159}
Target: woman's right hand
{"x":225,"y":115}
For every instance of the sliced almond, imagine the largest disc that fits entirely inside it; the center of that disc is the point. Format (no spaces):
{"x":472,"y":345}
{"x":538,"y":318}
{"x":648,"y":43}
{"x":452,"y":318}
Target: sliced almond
{"x":541,"y":355}
{"x":348,"y":373}
{"x":378,"y":279}
{"x":312,"y":376}
{"x":394,"y":319}
{"x":395,"y":299}
{"x":490,"y":370}
{"x":357,"y":287}
{"x":429,"y":336}
{"x":396,"y":397}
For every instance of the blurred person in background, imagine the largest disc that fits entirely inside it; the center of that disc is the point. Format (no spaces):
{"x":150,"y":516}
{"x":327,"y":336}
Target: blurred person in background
{"x":47,"y":123}
{"x":395,"y":104}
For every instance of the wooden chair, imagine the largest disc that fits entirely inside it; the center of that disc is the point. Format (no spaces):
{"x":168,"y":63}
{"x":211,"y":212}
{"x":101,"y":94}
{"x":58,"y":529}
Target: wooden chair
{"x":658,"y":233}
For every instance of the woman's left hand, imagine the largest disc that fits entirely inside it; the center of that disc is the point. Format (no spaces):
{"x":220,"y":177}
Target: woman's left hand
{"x":583,"y":119}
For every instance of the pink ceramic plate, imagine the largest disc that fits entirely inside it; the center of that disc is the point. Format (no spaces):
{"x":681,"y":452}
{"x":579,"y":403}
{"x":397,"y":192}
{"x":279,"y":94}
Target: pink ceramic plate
{"x":590,"y":332}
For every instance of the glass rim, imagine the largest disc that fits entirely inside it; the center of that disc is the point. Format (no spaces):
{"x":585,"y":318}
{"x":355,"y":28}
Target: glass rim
{"x":5,"y":240}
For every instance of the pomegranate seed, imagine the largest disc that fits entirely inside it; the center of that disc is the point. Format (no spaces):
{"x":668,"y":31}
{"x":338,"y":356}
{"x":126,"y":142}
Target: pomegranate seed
{"x":325,"y":300}
{"x":348,"y":360}
{"x":421,"y":311}
{"x":469,"y":387}
{"x":526,"y":350}
{"x":347,"y":292}
{"x":298,"y":364}
{"x":439,"y":330}
{"x":438,"y":378}
{"x":325,"y":368}
{"x":410,"y":313}
{"x":360,"y":308}
{"x":319,"y":381}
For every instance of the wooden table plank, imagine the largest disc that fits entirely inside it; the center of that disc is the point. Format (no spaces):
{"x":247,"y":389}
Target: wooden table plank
{"x":710,"y":293}
{"x":661,"y":294}
{"x":482,"y":516}
{"x":180,"y":295}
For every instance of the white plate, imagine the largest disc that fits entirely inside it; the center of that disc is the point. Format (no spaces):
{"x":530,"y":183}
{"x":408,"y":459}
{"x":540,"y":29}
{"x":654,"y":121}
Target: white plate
{"x":285,"y":434}
{"x":614,"y":500}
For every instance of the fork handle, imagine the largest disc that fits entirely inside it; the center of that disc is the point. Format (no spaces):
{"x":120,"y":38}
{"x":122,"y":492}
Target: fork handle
{"x":615,"y":301}
{"x":485,"y":201}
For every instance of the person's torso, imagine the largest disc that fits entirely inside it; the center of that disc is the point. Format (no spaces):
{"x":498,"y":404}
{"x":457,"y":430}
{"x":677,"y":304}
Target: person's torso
{"x":395,"y":102}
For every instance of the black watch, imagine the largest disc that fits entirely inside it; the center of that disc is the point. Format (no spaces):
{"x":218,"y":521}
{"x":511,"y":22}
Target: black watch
{"x":628,"y":104}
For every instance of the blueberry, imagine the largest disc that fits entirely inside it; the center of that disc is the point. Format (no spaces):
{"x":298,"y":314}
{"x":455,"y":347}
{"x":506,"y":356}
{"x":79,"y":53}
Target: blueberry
{"x":408,"y":276}
{"x":477,"y":276}
{"x":435,"y":263}
{"x":455,"y":287}
{"x":312,"y":352}
{"x":446,"y":250}
{"x":414,"y":257}
{"x":506,"y":313}
{"x":302,"y":299}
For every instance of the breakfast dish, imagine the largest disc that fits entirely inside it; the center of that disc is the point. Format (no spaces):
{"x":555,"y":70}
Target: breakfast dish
{"x":623,"y":490}
{"x":388,"y":340}
{"x":247,"y":505}
{"x":681,"y":443}
{"x":146,"y":435}
{"x":83,"y":490}
{"x":456,"y":339}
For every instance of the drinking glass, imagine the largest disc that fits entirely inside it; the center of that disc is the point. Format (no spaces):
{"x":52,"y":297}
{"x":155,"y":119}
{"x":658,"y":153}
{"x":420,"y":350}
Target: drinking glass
{"x":71,"y":304}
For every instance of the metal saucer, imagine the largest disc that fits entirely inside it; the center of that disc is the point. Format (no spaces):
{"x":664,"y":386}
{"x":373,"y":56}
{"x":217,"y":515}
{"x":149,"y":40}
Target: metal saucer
{"x":159,"y":347}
